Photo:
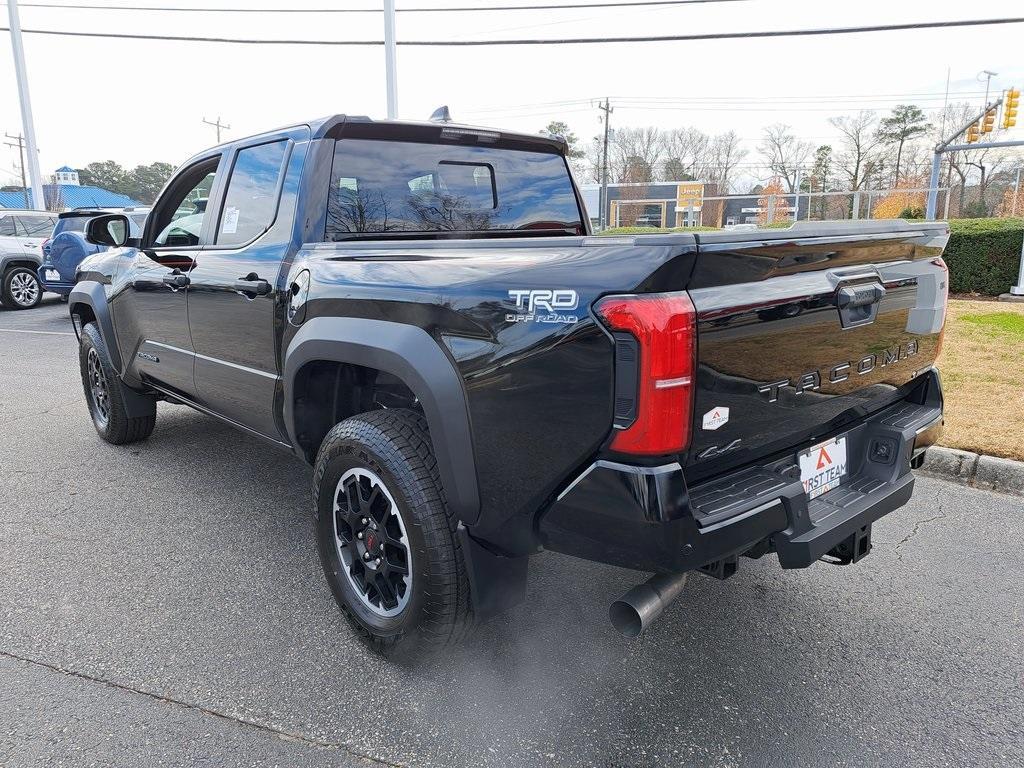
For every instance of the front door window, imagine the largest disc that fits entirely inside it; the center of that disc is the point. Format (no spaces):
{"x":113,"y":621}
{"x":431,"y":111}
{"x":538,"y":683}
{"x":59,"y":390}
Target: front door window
{"x":179,"y":216}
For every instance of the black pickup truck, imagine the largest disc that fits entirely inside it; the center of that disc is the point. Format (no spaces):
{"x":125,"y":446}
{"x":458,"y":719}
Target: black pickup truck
{"x":420,"y":312}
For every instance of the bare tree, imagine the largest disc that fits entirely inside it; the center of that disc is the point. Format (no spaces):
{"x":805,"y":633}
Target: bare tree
{"x":723,"y":155}
{"x":859,"y":155}
{"x":950,"y":118}
{"x":993,"y":164}
{"x":784,"y":153}
{"x":637,"y":153}
{"x":684,"y":150}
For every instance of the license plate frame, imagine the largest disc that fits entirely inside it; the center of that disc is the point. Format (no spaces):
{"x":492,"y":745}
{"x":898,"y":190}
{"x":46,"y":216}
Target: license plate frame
{"x":824,"y":466}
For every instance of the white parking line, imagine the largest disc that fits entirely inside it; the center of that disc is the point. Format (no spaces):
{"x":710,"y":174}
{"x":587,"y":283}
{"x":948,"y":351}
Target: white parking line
{"x":44,"y":333}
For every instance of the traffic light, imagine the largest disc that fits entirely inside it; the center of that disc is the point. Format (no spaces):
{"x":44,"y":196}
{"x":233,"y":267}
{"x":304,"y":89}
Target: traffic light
{"x":1010,"y":102}
{"x":988,"y":123}
{"x":973,"y":133}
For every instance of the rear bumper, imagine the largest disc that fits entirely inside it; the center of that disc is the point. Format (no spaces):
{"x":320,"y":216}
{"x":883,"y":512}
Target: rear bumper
{"x":62,"y":287}
{"x":647,"y":518}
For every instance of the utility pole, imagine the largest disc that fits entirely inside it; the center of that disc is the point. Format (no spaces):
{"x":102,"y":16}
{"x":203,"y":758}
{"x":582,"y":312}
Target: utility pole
{"x":603,"y":218}
{"x":218,"y":125}
{"x":390,"y":64}
{"x":19,"y":142}
{"x":27,"y":124}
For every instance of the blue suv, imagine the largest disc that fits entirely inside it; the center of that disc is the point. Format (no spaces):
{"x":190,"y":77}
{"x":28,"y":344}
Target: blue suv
{"x":67,"y":246}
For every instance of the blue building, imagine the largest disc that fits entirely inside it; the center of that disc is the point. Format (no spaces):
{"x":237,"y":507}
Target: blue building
{"x":65,"y":193}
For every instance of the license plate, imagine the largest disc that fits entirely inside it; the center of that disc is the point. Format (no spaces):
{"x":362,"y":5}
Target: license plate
{"x":52,"y":274}
{"x":823,"y":467}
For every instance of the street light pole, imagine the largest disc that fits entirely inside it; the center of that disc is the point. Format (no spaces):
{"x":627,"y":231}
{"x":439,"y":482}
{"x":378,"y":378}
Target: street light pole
{"x":28,"y":125}
{"x":390,"y":65}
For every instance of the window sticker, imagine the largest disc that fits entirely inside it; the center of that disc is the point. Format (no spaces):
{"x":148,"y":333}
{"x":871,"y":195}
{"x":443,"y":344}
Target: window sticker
{"x":230,"y":223}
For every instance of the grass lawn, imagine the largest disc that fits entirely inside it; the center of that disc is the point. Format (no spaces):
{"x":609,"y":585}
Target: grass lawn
{"x":982,"y":366}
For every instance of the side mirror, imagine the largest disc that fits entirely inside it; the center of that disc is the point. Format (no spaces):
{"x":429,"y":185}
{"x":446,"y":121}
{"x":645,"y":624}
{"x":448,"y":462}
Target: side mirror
{"x":111,"y":230}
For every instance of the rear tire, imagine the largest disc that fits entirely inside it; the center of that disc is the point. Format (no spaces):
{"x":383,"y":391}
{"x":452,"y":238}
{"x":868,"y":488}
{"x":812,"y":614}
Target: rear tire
{"x":21,"y":288}
{"x":105,"y":394}
{"x":379,"y":467}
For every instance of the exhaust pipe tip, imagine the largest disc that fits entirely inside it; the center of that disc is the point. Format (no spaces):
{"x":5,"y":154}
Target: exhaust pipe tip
{"x":636,"y":610}
{"x":625,"y":618}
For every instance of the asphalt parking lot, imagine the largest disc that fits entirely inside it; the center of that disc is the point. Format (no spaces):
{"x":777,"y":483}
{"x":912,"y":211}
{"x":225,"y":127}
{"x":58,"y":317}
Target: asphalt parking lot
{"x":162,"y":604}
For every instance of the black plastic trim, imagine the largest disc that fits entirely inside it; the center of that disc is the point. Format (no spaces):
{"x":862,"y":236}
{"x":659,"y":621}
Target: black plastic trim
{"x":91,"y":294}
{"x":496,"y":583}
{"x":411,"y":354}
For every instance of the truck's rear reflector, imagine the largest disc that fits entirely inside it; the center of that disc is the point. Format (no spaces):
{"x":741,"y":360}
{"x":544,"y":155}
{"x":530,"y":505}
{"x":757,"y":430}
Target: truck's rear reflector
{"x":664,"y":325}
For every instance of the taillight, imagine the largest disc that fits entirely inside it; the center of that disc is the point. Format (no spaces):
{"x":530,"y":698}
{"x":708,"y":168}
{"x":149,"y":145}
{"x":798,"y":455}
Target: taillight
{"x":665,"y":330}
{"x":945,"y":304}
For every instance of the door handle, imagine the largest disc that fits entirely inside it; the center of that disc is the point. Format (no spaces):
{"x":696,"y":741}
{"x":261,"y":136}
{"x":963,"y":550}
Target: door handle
{"x":252,"y":284}
{"x":176,"y":280}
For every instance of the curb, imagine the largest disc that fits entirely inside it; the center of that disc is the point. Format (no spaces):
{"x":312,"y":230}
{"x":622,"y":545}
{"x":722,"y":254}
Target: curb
{"x":978,"y":471}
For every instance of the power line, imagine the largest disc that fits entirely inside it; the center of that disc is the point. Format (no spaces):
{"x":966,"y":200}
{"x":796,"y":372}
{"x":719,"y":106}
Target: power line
{"x":444,"y":9}
{"x":734,"y":105}
{"x":814,"y":32}
{"x":808,"y":98}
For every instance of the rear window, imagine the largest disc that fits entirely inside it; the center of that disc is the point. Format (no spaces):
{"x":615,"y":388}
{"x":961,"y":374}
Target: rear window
{"x":71,"y":224}
{"x":250,"y":204}
{"x":408,"y":188}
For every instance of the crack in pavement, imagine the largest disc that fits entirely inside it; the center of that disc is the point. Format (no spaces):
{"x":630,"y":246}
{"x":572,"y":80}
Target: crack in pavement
{"x":269,"y":729}
{"x":917,"y":526}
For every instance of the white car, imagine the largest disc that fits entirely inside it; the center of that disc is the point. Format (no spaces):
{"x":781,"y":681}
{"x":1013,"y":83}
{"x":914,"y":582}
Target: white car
{"x":22,"y":234}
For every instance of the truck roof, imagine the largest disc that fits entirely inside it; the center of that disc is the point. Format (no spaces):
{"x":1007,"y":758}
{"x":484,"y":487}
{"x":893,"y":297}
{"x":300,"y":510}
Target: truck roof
{"x":361,"y":126}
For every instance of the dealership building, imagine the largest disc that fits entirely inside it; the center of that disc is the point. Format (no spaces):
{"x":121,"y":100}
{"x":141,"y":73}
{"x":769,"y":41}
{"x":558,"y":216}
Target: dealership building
{"x":676,"y":204}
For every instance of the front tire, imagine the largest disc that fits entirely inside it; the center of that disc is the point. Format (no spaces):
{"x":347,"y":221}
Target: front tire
{"x":21,"y":288}
{"x":387,"y":541}
{"x":105,"y":394}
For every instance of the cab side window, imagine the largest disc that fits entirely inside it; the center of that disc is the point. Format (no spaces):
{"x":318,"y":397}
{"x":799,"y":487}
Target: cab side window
{"x":179,"y":215}
{"x":250,"y":205}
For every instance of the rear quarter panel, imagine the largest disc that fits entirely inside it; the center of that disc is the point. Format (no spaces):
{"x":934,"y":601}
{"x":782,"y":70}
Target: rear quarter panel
{"x":539,"y":392}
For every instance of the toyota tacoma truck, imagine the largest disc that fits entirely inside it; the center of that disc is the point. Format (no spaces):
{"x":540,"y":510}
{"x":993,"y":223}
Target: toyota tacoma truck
{"x":421,"y":313}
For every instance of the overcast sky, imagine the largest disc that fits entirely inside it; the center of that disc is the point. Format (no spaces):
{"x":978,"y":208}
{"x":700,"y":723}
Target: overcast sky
{"x":138,"y":102}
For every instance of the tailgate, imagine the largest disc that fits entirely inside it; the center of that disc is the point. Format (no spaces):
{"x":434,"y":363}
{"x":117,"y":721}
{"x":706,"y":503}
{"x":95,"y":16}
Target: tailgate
{"x":801,"y":331}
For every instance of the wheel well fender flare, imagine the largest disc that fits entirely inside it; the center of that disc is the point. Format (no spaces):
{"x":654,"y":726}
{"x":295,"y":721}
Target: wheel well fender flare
{"x":411,"y":354}
{"x":6,"y":262}
{"x":91,"y":294}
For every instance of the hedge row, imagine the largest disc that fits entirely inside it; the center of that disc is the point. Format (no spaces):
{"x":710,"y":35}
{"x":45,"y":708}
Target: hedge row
{"x":983,"y":255}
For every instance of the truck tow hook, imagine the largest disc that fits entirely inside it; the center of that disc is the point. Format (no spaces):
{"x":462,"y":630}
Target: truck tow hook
{"x":636,"y":610}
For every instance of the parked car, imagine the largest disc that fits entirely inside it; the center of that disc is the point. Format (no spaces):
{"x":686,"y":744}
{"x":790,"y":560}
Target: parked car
{"x":67,"y":246}
{"x":22,"y":233}
{"x":419,"y":312}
